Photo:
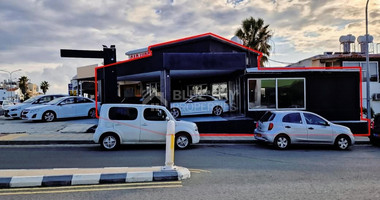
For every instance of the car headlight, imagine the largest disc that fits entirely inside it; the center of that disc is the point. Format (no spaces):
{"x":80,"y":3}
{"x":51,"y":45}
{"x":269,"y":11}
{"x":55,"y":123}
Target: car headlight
{"x":195,"y":128}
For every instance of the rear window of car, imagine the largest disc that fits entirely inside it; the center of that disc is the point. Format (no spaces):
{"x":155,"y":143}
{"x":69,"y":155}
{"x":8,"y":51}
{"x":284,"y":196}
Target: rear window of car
{"x":122,"y":113}
{"x":268,"y":116}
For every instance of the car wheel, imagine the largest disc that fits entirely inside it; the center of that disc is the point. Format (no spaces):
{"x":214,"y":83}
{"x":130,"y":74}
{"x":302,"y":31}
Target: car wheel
{"x":175,"y":112}
{"x":109,"y":142}
{"x":92,"y":113}
{"x":182,"y":141}
{"x":342,"y":142}
{"x":282,"y":142}
{"x":48,"y":116}
{"x":217,"y":111}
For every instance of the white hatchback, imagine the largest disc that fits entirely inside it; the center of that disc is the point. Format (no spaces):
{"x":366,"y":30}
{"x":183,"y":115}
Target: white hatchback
{"x":140,"y":124}
{"x":285,"y":127}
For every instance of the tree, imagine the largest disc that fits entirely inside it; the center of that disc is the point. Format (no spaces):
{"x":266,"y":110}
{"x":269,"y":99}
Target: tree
{"x":255,"y":35}
{"x":23,"y":85}
{"x":44,"y":86}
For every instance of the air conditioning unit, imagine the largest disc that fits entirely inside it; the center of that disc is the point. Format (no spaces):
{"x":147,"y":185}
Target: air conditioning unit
{"x":376,"y":97}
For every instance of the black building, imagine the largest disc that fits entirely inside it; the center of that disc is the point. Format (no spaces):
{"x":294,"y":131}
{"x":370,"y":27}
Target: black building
{"x":209,"y":64}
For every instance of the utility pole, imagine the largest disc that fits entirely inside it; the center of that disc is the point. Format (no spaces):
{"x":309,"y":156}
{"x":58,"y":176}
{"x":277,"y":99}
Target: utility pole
{"x":369,"y":116}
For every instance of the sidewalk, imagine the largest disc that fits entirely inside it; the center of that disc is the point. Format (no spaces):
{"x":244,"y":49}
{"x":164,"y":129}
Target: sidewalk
{"x":88,"y":176}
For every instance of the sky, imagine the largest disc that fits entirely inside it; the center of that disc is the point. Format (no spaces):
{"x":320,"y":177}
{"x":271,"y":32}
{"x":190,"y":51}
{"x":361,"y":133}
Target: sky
{"x":32,"y":32}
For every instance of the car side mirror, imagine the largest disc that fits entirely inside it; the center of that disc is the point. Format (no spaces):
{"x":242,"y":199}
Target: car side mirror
{"x":167,"y":119}
{"x":62,"y":103}
{"x":189,"y":101}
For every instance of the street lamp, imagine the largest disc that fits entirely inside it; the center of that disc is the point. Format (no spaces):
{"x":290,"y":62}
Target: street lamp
{"x":369,"y":116}
{"x":10,"y":78}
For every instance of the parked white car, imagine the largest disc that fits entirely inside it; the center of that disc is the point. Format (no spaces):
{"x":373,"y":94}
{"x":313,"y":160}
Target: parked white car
{"x":140,"y":124}
{"x":15,"y":111}
{"x":64,"y":107}
{"x":4,"y":104}
{"x":283,"y":128}
{"x":200,"y":104}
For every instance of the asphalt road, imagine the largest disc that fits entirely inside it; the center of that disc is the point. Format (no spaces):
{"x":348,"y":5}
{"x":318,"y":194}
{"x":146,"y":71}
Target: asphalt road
{"x":219,"y":171}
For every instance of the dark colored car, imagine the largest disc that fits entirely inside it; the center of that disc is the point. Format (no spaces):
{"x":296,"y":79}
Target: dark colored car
{"x":375,"y":131}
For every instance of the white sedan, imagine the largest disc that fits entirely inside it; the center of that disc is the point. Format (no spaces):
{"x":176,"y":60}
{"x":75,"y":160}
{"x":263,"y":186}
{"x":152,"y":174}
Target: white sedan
{"x":64,"y":107}
{"x":202,"y":104}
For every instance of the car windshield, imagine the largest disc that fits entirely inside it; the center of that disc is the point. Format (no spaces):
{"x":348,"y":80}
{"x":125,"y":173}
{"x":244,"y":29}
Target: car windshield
{"x":31,"y":100}
{"x":55,"y":101}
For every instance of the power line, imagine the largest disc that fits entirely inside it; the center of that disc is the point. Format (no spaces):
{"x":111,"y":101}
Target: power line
{"x":287,"y":63}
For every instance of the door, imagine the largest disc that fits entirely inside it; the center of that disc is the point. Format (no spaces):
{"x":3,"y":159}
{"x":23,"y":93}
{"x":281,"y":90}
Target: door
{"x":126,"y":122}
{"x":83,"y":105}
{"x":66,"y":108}
{"x":294,"y":127}
{"x":318,"y":129}
{"x":153,"y":125}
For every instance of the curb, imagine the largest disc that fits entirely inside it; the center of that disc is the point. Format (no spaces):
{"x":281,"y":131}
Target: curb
{"x":178,"y":173}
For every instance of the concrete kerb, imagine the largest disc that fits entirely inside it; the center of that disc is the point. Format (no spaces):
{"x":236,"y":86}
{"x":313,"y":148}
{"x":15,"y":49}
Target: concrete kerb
{"x":91,"y":176}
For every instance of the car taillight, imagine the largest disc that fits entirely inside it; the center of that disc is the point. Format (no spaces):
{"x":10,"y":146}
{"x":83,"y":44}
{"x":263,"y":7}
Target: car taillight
{"x":257,"y":124}
{"x":270,"y":127}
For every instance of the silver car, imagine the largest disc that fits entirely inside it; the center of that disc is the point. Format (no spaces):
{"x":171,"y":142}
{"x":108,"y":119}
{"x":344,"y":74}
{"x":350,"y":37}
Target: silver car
{"x":283,"y":128}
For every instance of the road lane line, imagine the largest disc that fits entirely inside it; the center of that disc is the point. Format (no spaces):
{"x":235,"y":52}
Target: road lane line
{"x":89,"y":188}
{"x":92,"y":186}
{"x":12,"y":136}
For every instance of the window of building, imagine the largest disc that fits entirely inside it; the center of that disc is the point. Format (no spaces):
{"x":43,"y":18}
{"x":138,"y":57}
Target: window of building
{"x":219,"y":90}
{"x":294,"y":118}
{"x":199,"y":89}
{"x":276,"y":93}
{"x":262,"y":93}
{"x":154,"y":114}
{"x":373,"y":69}
{"x":122,"y":113}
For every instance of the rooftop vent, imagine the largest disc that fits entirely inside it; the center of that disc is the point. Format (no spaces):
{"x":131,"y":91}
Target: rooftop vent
{"x":346,"y":40}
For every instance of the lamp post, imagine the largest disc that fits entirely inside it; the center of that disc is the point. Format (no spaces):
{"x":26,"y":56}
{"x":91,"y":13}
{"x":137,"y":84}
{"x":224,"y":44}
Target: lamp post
{"x":369,"y":116}
{"x":10,"y":78}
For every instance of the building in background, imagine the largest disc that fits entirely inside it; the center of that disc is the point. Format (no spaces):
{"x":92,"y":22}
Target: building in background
{"x":352,"y":57}
{"x":83,"y":83}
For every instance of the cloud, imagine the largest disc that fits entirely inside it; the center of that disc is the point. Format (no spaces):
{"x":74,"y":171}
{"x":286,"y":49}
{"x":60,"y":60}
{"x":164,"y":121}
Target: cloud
{"x":33,"y":31}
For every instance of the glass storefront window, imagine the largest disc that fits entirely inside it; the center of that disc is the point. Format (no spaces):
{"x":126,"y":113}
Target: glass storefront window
{"x":262,"y":93}
{"x":373,"y":69}
{"x":219,"y":90}
{"x":276,"y":93}
{"x":290,"y":93}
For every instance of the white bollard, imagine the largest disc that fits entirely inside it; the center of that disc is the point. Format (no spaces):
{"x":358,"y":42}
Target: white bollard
{"x":170,"y":137}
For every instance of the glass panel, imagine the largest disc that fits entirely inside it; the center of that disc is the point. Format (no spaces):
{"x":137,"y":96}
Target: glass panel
{"x":122,"y":113}
{"x":294,"y":118}
{"x":219,"y":90}
{"x":314,"y":120}
{"x":154,"y":114}
{"x":291,"y":93}
{"x":262,"y":93}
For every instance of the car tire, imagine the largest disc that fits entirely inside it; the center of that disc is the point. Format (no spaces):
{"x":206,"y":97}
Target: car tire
{"x":342,"y":142}
{"x":92,"y":113}
{"x":175,"y":112}
{"x":109,"y":141}
{"x":48,"y":116}
{"x":282,"y":142}
{"x":217,"y":111}
{"x":182,"y":141}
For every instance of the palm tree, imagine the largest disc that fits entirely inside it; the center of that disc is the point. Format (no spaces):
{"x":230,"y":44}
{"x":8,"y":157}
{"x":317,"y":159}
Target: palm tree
{"x":44,"y":86}
{"x":23,"y":85}
{"x":255,"y":35}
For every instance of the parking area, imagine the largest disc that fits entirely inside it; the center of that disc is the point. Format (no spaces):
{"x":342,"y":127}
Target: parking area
{"x":78,"y":125}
